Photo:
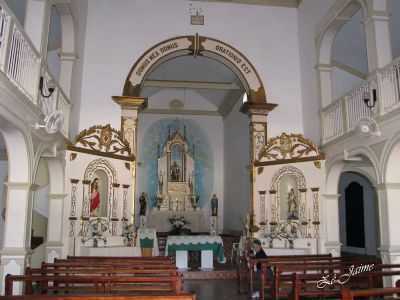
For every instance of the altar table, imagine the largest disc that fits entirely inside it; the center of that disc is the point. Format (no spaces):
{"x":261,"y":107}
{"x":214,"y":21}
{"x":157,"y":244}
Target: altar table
{"x":207,"y":244}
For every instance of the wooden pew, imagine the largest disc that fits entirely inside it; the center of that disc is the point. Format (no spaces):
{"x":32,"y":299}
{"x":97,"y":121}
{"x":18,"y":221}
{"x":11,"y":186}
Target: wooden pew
{"x":245,"y":268}
{"x":348,"y":294}
{"x":100,"y":284}
{"x":118,"y":258}
{"x":304,"y":285}
{"x":101,"y":297}
{"x":306,"y":281}
{"x":318,"y":265}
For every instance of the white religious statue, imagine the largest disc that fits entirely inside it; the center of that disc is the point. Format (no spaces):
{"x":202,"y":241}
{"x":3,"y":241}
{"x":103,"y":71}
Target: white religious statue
{"x":292,"y":206}
{"x":176,"y":161}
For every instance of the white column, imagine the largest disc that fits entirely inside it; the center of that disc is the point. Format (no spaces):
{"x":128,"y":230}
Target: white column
{"x":376,"y":25}
{"x":37,"y":21}
{"x":54,"y":244}
{"x":130,"y":107}
{"x":389,"y":222}
{"x":331,"y":224}
{"x":16,"y":244}
{"x":325,"y":78}
{"x":67,"y":61}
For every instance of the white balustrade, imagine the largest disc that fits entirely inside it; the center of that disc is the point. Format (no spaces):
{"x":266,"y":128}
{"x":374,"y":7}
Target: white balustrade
{"x":23,"y":66}
{"x":332,"y":121}
{"x":389,"y":86}
{"x":355,"y":106}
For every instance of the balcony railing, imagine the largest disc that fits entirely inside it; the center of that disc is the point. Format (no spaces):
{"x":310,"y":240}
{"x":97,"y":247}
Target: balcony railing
{"x":23,"y":66}
{"x":343,"y":115}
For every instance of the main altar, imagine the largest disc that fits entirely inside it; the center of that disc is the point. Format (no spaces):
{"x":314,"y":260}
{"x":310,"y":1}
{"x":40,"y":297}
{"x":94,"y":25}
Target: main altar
{"x":176,"y":186}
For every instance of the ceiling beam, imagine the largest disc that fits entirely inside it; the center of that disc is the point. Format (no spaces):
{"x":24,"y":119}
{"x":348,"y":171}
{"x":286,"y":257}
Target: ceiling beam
{"x":285,"y":3}
{"x":181,"y":84}
{"x":194,"y":112}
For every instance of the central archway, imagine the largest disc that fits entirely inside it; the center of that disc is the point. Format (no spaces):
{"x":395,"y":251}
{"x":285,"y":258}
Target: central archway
{"x":196,"y":46}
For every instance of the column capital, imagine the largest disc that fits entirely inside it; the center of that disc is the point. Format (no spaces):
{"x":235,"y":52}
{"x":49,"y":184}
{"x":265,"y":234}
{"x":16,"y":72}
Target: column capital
{"x":324,"y":67}
{"x":68,"y":56}
{"x":57,"y":196}
{"x":130,"y":103}
{"x":254,"y":108}
{"x":332,"y":196}
{"x":21,"y":186}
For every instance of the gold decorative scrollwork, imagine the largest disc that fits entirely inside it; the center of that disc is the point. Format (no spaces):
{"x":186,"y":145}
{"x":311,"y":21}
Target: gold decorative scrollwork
{"x":103,"y":141}
{"x":289,"y":147}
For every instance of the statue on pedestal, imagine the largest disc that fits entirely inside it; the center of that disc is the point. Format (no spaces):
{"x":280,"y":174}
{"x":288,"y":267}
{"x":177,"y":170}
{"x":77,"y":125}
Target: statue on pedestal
{"x":142,"y":209}
{"x":214,"y":206}
{"x":292,"y":205}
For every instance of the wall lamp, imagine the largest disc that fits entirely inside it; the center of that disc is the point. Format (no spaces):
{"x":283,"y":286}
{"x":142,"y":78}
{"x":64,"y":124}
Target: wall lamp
{"x":370,"y":103}
{"x":50,"y":87}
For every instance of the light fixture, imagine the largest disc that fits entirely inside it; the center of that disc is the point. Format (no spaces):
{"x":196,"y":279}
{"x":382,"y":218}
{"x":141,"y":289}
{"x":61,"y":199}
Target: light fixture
{"x":370,"y":103}
{"x":50,"y":87}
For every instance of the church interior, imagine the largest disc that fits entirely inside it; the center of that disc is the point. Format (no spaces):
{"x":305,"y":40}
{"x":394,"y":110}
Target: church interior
{"x":199,"y":149}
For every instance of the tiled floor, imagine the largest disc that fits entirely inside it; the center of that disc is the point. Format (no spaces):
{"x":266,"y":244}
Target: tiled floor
{"x":214,"y":289}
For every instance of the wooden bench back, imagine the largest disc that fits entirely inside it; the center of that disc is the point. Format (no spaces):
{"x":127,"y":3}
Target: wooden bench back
{"x":101,"y":297}
{"x":348,"y":294}
{"x":102,"y":284}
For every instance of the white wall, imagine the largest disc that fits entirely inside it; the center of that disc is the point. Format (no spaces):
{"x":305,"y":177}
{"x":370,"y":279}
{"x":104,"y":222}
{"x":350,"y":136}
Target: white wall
{"x":129,"y":28}
{"x":343,"y":82}
{"x":237,"y":180}
{"x":3,"y":194}
{"x":370,"y":214}
{"x":310,"y":14}
{"x":350,"y":46}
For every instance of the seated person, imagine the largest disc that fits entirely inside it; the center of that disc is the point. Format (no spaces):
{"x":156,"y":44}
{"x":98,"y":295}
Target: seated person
{"x":259,"y":253}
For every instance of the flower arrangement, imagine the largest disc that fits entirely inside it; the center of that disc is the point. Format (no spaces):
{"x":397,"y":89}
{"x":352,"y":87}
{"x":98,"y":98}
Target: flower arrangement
{"x":178,"y":225}
{"x":97,"y":228}
{"x":129,"y":234}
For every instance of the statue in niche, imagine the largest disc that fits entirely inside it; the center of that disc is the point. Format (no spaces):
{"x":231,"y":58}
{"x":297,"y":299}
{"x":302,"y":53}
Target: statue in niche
{"x":94,"y":198}
{"x":160,"y":184}
{"x":143,"y":204}
{"x":175,"y":172}
{"x":292,"y":205}
{"x":214,"y":206}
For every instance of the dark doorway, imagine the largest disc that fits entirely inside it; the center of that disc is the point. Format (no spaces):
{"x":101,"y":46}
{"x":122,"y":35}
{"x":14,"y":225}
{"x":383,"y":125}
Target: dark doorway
{"x":355,"y":233}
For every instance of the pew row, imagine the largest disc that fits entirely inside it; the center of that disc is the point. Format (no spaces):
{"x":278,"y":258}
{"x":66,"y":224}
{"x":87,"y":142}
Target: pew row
{"x":101,"y":297}
{"x":348,"y":294}
{"x":98,"y":284}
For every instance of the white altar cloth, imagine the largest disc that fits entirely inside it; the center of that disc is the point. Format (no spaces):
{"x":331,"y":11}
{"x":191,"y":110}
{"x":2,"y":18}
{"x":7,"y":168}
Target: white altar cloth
{"x":111,"y":251}
{"x":149,"y":234}
{"x":209,"y":245}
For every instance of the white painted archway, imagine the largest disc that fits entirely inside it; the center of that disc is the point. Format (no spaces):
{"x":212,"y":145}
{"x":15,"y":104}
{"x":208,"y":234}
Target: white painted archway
{"x":197,"y":46}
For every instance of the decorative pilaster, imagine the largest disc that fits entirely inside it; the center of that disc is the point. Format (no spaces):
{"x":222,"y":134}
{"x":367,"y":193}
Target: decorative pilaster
{"x":130,"y":107}
{"x":331,"y":215}
{"x":377,"y":33}
{"x":54,"y":244}
{"x":257,"y":113}
{"x":15,"y":255}
{"x":114,"y":212}
{"x":325,"y":78}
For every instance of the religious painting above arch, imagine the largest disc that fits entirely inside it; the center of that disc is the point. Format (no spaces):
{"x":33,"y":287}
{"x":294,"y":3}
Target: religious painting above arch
{"x":178,"y":165}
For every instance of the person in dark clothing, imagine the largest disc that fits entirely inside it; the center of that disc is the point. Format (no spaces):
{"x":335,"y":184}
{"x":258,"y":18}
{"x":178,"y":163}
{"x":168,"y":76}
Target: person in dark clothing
{"x":260,"y":253}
